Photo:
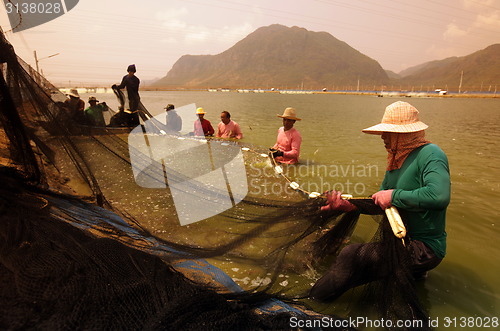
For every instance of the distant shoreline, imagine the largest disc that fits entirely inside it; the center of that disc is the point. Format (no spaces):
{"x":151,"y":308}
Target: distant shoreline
{"x":385,"y":94}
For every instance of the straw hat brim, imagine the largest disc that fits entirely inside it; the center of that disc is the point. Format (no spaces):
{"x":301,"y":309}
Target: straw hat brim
{"x":290,"y":117}
{"x":397,"y":128}
{"x":76,"y":95}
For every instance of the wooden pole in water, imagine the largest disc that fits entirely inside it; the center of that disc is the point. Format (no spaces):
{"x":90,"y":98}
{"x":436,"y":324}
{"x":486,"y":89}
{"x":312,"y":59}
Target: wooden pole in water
{"x":460,"y":86}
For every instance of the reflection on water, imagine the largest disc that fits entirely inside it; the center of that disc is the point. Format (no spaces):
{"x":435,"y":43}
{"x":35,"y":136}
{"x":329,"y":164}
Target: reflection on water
{"x":334,"y":153}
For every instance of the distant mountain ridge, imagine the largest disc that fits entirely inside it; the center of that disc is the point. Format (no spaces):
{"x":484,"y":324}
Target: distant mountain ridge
{"x":476,"y":71}
{"x":281,"y":57}
{"x":426,"y":66}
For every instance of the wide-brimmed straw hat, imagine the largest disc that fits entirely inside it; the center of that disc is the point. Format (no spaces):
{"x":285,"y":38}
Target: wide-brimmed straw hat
{"x":200,"y":111}
{"x":290,"y":114}
{"x":93,"y":99}
{"x":73,"y":93}
{"x":400,"y":117}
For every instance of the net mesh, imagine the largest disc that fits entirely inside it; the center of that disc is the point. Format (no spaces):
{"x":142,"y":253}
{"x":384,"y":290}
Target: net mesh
{"x":68,"y":266}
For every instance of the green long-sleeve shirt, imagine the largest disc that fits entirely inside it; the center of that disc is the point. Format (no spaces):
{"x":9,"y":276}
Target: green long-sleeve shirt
{"x":94,"y":115}
{"x":422,"y":194}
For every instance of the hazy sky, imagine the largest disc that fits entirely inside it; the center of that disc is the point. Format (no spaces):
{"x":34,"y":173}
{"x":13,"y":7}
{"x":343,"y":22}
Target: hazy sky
{"x":98,"y":39}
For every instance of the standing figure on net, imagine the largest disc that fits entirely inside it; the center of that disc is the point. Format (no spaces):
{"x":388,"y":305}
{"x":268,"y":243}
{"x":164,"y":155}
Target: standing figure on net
{"x":131,"y":83}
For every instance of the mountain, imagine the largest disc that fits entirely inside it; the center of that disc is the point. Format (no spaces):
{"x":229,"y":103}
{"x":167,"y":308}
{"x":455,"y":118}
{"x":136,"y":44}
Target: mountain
{"x":281,"y":57}
{"x":148,"y":82}
{"x":392,"y":74}
{"x":477,"y":71}
{"x":426,"y":66}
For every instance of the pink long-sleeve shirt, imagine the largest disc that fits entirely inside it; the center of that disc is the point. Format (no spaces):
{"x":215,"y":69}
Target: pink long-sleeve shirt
{"x":289,"y":143}
{"x":229,"y":130}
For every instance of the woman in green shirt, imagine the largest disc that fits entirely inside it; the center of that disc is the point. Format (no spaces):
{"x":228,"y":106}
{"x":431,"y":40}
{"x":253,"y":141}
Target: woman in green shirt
{"x":417,"y":182}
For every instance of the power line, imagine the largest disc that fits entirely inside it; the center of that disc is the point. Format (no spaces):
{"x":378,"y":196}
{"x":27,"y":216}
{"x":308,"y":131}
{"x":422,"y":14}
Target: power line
{"x":483,"y":4}
{"x":400,"y":17}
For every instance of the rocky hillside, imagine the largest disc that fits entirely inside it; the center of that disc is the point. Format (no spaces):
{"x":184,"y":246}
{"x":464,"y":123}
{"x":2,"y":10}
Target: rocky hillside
{"x":480,"y":70}
{"x":280,"y":57}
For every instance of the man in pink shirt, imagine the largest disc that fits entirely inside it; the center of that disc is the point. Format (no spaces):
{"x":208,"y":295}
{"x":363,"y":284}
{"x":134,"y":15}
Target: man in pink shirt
{"x":228,"y":128}
{"x":287,"y":147}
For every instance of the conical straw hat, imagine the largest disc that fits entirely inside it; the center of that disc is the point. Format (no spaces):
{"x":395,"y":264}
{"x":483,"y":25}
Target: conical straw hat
{"x":400,"y":117}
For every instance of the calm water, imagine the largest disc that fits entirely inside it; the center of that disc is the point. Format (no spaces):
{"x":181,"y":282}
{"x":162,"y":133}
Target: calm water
{"x":465,"y":284}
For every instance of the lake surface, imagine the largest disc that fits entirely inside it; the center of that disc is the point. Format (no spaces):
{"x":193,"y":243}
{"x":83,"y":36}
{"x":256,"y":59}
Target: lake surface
{"x":466,"y":283}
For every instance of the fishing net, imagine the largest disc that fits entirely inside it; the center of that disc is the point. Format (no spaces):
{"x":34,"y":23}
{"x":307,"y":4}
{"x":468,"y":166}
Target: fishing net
{"x":182,"y":217}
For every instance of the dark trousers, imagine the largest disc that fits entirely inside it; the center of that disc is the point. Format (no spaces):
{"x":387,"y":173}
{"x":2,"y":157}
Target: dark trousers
{"x":358,"y":264}
{"x":133,"y":103}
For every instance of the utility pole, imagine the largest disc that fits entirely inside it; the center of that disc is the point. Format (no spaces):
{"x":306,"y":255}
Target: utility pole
{"x":36,"y":61}
{"x":43,"y":58}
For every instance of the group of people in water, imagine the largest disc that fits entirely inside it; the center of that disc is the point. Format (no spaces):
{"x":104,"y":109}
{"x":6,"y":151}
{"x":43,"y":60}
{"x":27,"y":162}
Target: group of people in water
{"x":227,"y":128}
{"x":92,"y":115}
{"x":417,"y":182}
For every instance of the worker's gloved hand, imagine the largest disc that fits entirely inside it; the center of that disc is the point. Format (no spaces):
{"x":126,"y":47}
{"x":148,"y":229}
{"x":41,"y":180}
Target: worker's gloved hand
{"x":383,"y":198}
{"x":334,"y":201}
{"x":114,"y":86}
{"x":277,"y":153}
